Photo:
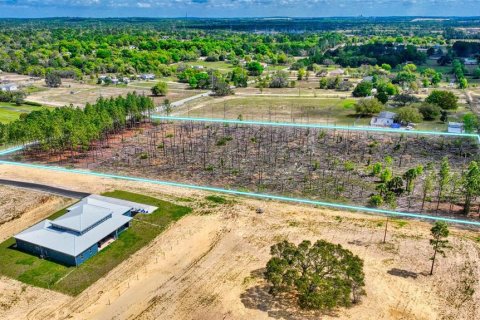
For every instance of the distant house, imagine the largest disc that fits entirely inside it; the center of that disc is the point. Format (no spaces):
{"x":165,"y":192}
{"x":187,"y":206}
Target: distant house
{"x":470,"y":61}
{"x":337,"y":72}
{"x":455,"y":127}
{"x":368,"y":78}
{"x":147,"y":76}
{"x":115,"y":81}
{"x":384,"y":119}
{"x":9,"y":87}
{"x":87,"y":227}
{"x":198,"y":67}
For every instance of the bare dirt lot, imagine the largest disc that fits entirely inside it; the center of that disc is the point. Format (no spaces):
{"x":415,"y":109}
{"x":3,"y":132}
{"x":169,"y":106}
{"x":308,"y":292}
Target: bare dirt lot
{"x":20,"y":208}
{"x":209,"y":264}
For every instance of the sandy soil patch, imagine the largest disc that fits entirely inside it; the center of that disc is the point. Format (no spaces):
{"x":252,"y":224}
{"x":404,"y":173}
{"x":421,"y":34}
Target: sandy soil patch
{"x":209,"y":264}
{"x":20,"y":208}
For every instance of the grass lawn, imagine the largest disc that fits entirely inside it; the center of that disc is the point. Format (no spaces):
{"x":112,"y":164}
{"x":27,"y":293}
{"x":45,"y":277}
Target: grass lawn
{"x":10,"y":111}
{"x":73,"y":280}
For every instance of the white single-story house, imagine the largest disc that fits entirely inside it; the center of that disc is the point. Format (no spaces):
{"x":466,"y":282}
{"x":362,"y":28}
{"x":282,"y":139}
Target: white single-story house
{"x":384,"y":119}
{"x":9,"y":87}
{"x":455,"y":127}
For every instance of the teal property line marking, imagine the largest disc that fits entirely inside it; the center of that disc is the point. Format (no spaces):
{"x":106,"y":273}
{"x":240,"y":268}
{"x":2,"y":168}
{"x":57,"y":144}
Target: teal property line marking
{"x":243,"y":193}
{"x":317,"y":126}
{"x":10,"y":150}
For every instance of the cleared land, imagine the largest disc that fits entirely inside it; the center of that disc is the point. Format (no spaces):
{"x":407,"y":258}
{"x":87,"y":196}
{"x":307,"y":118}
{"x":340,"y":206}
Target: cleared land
{"x":329,"y":165}
{"x":295,"y":109}
{"x":20,"y":208}
{"x":209,"y":264}
{"x":78,"y":94}
{"x":32,"y":270}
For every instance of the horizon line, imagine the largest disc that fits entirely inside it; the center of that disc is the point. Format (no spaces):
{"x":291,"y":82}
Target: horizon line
{"x":244,"y":17}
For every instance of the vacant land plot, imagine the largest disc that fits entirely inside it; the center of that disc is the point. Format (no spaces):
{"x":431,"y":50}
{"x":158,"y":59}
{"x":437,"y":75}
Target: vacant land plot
{"x":209,"y":264}
{"x":330,"y":165}
{"x":78,"y":94}
{"x":295,"y":109}
{"x":325,"y":108}
{"x":32,"y":270}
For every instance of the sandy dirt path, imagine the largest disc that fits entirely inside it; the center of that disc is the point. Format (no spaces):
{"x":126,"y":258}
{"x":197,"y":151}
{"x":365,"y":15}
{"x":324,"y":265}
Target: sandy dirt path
{"x":209,"y":264}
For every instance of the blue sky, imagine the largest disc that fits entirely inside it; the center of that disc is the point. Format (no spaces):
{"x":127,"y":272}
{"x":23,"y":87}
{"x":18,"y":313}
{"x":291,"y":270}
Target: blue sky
{"x":236,"y":8}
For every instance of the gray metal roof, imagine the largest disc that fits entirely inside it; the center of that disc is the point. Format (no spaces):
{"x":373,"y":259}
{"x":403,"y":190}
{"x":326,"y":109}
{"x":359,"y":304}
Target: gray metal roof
{"x":63,"y":234}
{"x":82,"y":217}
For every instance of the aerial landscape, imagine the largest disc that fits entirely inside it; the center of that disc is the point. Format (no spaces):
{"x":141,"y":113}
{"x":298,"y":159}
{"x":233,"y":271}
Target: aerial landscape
{"x":239,"y":160}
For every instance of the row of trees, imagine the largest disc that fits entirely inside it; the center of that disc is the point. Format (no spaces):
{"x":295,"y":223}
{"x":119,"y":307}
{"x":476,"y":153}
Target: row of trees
{"x":74,"y":129}
{"x":450,"y":186}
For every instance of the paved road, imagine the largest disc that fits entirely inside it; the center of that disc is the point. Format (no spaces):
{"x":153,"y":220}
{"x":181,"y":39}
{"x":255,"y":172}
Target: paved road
{"x":45,"y":188}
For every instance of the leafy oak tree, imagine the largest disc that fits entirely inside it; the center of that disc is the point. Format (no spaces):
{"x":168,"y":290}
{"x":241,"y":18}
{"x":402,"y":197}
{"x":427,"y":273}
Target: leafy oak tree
{"x":53,"y":80}
{"x":322,"y":276}
{"x":366,"y":107}
{"x":160,"y":89}
{"x":444,"y":99}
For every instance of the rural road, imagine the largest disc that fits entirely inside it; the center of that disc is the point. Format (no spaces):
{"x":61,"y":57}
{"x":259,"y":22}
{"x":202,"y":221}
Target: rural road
{"x":44,"y":188}
{"x":183,"y":101}
{"x":179,"y":103}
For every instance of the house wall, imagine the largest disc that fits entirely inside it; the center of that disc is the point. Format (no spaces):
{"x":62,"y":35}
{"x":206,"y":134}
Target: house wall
{"x":123,"y":228}
{"x":61,"y":257}
{"x":45,"y":253}
{"x":87,"y":254}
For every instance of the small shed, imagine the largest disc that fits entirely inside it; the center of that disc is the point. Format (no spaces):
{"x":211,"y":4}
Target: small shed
{"x":384,"y":119}
{"x":455,"y":127}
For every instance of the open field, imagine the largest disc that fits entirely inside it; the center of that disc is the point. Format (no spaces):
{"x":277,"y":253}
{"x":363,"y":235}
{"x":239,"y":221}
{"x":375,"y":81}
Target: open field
{"x":10,"y":112}
{"x":209,"y":264}
{"x":326,"y":107}
{"x":72,"y":92}
{"x":289,"y":109}
{"x":32,"y":270}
